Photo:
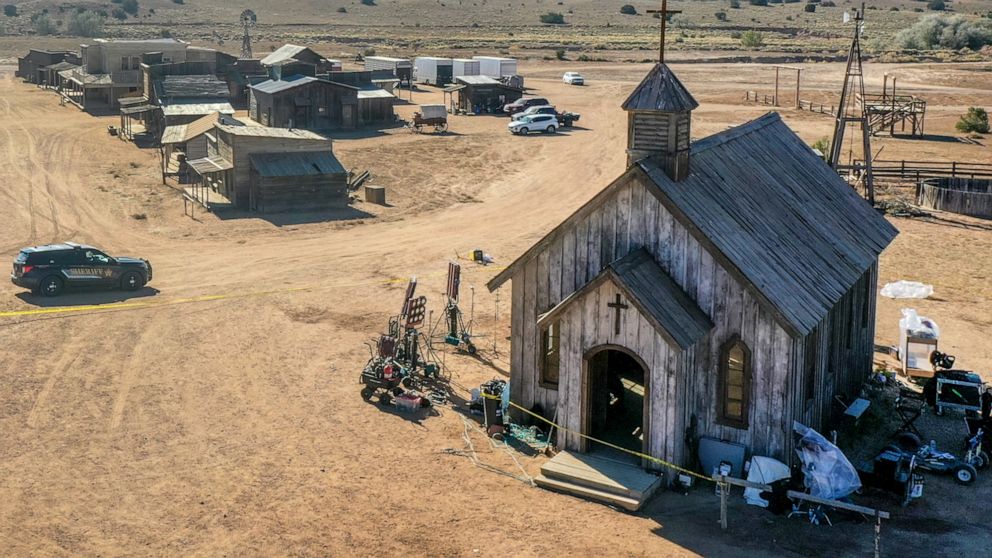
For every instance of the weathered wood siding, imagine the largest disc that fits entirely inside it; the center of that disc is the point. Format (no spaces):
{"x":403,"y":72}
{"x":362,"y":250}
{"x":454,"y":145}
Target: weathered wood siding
{"x":298,"y":193}
{"x":630,"y":218}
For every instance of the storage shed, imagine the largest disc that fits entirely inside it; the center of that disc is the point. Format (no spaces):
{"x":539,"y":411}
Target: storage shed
{"x":721,"y":288}
{"x":31,"y":67}
{"x":309,"y":181}
{"x":400,"y":68}
{"x":481,"y":94}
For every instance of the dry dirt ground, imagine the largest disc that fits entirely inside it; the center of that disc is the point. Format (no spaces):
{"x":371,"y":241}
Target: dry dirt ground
{"x":183,"y":424}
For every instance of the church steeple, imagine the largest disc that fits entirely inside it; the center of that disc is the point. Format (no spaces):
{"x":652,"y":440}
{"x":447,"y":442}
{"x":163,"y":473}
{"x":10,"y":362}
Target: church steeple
{"x":659,"y":115}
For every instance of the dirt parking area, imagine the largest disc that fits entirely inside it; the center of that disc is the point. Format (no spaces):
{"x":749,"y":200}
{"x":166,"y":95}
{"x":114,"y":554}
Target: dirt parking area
{"x":218,"y":412}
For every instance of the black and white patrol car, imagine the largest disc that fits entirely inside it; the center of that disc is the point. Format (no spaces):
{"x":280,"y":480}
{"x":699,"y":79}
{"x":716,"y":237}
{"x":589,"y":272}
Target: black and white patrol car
{"x":50,"y":269}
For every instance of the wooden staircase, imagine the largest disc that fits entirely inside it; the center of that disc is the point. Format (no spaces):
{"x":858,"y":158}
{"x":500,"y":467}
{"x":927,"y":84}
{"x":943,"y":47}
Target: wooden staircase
{"x":599,"y":478}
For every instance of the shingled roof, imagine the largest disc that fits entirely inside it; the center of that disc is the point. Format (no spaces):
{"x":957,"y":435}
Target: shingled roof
{"x":775,"y":213}
{"x":660,"y":90}
{"x":792,"y":227}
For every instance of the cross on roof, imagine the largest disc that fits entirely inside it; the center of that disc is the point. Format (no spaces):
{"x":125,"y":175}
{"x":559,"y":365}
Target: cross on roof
{"x":664,"y":12}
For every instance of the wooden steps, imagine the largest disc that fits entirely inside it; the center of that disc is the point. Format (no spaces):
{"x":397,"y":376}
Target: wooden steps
{"x":599,"y":478}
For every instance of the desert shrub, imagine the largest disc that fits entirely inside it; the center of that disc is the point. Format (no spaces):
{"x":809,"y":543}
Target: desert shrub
{"x":368,"y":2}
{"x":938,"y":31}
{"x":936,"y":5}
{"x":118,"y":13}
{"x":758,"y":2}
{"x":827,"y":4}
{"x":178,"y":1}
{"x":560,"y":54}
{"x":10,"y":10}
{"x":822,"y":145}
{"x":975,"y":120}
{"x":130,"y":6}
{"x":627,"y":9}
{"x":553,"y":18}
{"x":735,"y":4}
{"x":752,"y":39}
{"x":368,"y":52}
{"x":85,"y":24}
{"x":165,"y":33}
{"x":721,"y":16}
{"x":342,"y":10}
{"x":809,"y":8}
{"x":43,"y":25}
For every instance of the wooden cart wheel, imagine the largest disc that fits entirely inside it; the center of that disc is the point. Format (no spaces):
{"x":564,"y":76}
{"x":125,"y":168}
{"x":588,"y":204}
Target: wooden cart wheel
{"x":418,"y":127}
{"x":442,"y":127}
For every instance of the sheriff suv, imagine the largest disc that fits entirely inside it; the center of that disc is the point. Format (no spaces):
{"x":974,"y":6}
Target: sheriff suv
{"x":50,"y":269}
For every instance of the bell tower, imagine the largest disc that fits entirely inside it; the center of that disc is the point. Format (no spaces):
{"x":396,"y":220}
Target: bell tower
{"x":659,"y":114}
{"x":659,"y":117}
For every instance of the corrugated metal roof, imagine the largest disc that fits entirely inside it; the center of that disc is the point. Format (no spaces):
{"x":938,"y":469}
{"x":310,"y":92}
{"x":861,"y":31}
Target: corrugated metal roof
{"x":296,"y":164}
{"x":266,"y":132}
{"x":477,"y":80}
{"x":192,"y":87}
{"x":182,"y":133}
{"x":210,"y":164}
{"x":793,"y":228}
{"x":283,"y":53}
{"x":195,"y":109}
{"x":660,"y":90}
{"x":275,"y":85}
{"x":375,"y":94}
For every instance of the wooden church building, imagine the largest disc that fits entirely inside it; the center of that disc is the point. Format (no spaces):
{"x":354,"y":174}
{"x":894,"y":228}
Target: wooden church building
{"x":720,"y":288}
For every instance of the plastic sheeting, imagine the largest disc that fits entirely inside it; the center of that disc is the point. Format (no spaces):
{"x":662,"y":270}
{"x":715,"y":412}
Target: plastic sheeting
{"x":918,"y":326}
{"x":907,"y":289}
{"x":764,"y":470}
{"x":828,"y":473}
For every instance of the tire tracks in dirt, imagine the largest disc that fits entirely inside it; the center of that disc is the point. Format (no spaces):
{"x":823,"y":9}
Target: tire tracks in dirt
{"x":58,"y":371}
{"x":132,"y":370}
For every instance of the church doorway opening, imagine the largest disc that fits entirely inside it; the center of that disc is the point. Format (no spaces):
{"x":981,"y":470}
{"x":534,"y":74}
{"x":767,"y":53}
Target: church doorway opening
{"x":616,"y":405}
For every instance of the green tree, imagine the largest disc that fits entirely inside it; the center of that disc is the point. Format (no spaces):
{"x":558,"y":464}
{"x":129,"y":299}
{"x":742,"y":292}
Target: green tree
{"x":627,"y":9}
{"x":130,"y":6}
{"x":10,"y":10}
{"x":43,"y":25}
{"x":936,"y":5}
{"x":975,"y":120}
{"x":553,"y":18}
{"x":85,"y":24}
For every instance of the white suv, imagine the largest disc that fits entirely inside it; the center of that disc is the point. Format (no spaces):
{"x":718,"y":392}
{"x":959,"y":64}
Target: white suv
{"x":534,"y":123}
{"x":573,"y":78}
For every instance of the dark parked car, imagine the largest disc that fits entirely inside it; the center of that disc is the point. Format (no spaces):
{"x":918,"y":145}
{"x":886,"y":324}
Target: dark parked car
{"x":50,"y":269}
{"x":523,"y":104}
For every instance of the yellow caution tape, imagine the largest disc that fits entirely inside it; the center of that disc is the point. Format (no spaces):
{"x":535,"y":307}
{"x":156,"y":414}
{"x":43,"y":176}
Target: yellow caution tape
{"x":133,"y":305}
{"x":651,"y":458}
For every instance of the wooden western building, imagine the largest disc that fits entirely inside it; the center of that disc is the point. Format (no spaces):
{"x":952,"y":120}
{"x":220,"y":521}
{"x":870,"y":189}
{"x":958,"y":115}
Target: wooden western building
{"x":721,"y":288}
{"x":304,"y":102}
{"x":36,"y":65}
{"x":234,"y":170}
{"x":289,"y":60}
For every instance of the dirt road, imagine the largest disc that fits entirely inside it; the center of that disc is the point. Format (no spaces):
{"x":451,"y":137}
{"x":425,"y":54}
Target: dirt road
{"x":234,"y":426}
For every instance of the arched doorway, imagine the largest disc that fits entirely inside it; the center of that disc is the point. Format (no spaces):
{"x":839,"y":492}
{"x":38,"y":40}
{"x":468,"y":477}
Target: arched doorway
{"x":616,"y":406}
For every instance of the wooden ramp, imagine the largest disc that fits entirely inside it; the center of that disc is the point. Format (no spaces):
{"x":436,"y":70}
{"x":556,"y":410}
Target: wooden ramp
{"x":598,"y":478}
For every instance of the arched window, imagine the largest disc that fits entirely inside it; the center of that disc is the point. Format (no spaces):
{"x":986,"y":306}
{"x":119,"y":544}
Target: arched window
{"x":734,"y":399}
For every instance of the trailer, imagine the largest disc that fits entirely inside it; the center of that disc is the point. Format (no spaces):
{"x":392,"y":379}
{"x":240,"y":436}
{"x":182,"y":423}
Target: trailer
{"x":432,"y":70}
{"x":464,"y":67}
{"x":401,"y":68}
{"x":496,"y":66}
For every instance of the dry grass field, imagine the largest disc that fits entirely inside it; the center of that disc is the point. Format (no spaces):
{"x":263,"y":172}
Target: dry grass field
{"x":184,"y":424}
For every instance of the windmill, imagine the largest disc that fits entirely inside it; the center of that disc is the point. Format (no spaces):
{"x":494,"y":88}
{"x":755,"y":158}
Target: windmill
{"x":248,"y":20}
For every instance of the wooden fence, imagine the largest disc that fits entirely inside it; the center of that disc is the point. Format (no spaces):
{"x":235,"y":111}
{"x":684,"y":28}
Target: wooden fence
{"x":921,"y":170}
{"x":965,"y":196}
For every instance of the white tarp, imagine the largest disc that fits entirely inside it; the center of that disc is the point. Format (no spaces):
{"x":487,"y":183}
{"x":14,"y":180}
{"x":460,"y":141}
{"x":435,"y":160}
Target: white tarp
{"x":828,"y":473}
{"x":764,"y":470}
{"x":907,"y":289}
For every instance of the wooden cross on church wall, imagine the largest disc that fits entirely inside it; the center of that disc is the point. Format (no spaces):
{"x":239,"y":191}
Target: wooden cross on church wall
{"x":617,"y":307}
{"x":663,"y":14}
